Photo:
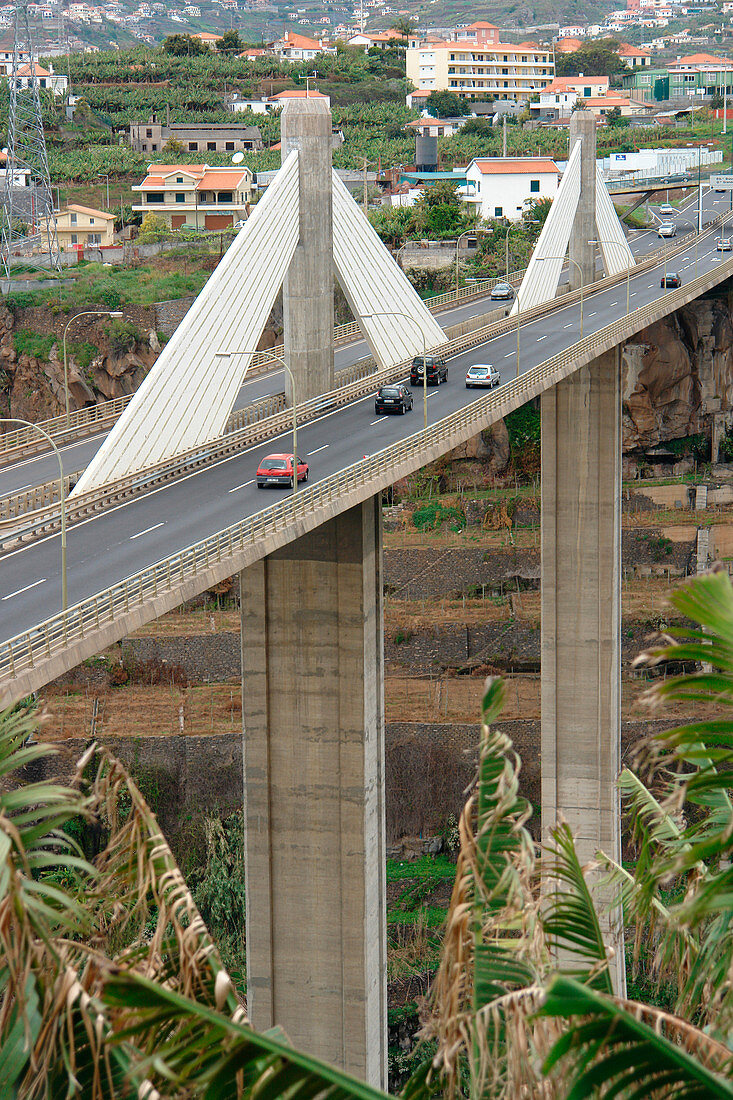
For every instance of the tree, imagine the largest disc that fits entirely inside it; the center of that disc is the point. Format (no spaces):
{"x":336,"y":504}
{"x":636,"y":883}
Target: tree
{"x":614,"y":118}
{"x":445,"y":104}
{"x":184,"y":45}
{"x":230,"y":42}
{"x":403,"y":25}
{"x":173,"y":148}
{"x":591,"y":61}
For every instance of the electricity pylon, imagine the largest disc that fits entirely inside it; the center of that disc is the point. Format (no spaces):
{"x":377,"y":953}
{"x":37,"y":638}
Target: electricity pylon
{"x":28,"y":216}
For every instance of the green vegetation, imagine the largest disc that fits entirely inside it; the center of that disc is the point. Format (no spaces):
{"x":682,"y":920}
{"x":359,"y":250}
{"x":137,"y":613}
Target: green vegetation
{"x":33,"y":344}
{"x":96,"y":284}
{"x":432,"y":515}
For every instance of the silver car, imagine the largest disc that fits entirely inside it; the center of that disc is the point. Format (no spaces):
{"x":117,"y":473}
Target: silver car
{"x":725,"y":245}
{"x":667,"y":229}
{"x":483,"y":375}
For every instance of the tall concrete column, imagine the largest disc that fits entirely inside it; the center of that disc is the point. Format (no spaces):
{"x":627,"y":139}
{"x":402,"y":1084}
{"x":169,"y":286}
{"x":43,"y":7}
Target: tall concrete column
{"x":313,"y":708}
{"x":581,"y":611}
{"x":308,"y":285}
{"x":583,"y":129}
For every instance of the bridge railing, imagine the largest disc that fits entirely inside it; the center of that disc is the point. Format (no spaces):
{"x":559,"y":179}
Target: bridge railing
{"x":33,"y":513}
{"x":24,"y":651}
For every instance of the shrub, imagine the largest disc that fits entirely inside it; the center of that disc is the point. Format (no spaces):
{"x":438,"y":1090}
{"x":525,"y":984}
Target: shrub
{"x":33,"y":344}
{"x":123,"y":336}
{"x":434,"y":514}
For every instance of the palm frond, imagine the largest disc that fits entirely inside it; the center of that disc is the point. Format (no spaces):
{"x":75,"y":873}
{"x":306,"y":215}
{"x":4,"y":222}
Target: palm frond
{"x":630,"y":1050}
{"x":569,"y":915}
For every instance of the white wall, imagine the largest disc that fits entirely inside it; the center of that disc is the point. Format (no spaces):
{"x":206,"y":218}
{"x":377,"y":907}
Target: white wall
{"x":508,"y":192}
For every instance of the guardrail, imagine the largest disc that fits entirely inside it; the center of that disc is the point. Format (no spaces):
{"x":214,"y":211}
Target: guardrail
{"x":24,"y":651}
{"x":262,"y":420}
{"x":96,"y":418}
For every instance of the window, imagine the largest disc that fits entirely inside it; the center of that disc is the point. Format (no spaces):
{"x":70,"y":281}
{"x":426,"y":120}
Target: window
{"x":94,"y":238}
{"x":74,"y":238}
{"x":179,"y":179}
{"x":91,"y":221}
{"x":229,"y":146}
{"x":498,"y":211}
{"x":74,"y":219}
{"x":534,"y":186}
{"x":153,"y":196}
{"x":145,"y":147}
{"x":193,"y":147}
{"x":586,"y":92}
{"x":154,"y":147}
{"x":148,"y":133}
{"x":211,"y":146}
{"x":180,"y":197}
{"x":225,"y":196}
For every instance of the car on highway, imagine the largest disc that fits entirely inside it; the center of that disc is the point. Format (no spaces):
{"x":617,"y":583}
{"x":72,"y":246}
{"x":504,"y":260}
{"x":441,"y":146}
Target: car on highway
{"x":667,"y":211}
{"x":483,"y":375}
{"x":276,"y":471}
{"x":670,"y":281}
{"x":434,"y":369}
{"x":667,"y":229}
{"x":502,"y":292}
{"x":393,"y":399}
{"x":724,"y":244}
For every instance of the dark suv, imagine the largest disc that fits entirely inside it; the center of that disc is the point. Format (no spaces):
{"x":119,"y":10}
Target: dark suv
{"x":393,"y":399}
{"x":436,"y":370}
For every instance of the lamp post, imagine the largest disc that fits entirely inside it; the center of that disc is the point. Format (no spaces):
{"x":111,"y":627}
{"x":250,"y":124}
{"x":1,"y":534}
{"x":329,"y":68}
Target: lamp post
{"x":416,"y":323}
{"x":618,"y":244}
{"x":468,"y":233}
{"x":62,"y":500}
{"x":245,"y":351}
{"x":84,"y":313}
{"x":541,"y":259}
{"x":699,"y":147}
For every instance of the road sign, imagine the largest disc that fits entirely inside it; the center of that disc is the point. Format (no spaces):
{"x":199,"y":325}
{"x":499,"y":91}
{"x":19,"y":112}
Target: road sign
{"x":722,"y":183}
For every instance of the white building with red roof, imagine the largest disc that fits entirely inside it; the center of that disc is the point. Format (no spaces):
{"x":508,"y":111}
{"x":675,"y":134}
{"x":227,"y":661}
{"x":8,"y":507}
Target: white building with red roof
{"x":298,"y":47}
{"x":501,"y":187}
{"x":196,"y":195}
{"x":46,"y":79}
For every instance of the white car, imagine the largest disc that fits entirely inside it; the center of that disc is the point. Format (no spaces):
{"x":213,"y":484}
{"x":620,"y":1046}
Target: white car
{"x":239,"y":225}
{"x":725,"y":244}
{"x":667,"y":229}
{"x":483,"y":375}
{"x":667,"y":211}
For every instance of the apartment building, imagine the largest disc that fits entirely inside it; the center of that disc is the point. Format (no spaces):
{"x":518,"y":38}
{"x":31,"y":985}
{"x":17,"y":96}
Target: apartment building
{"x":699,"y":74}
{"x":207,"y":137}
{"x":503,"y":71}
{"x":195,"y":195}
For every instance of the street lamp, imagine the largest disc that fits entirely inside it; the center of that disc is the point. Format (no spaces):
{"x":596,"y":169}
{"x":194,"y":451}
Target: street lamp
{"x":700,"y":147}
{"x":628,"y":271}
{"x":468,"y":233}
{"x":245,"y":351}
{"x":84,"y":313}
{"x":541,"y":259}
{"x":409,"y":317}
{"x":62,"y":500}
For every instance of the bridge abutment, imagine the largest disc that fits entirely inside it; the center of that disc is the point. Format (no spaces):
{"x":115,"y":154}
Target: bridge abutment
{"x":308,"y":285}
{"x":581,"y":612}
{"x":313,"y":713}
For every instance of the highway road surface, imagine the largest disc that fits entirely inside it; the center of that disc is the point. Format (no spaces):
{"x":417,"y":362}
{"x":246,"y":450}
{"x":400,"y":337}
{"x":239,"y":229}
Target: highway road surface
{"x":118,"y":543}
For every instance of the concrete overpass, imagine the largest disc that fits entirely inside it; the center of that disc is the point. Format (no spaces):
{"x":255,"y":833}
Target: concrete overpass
{"x":310,"y":578}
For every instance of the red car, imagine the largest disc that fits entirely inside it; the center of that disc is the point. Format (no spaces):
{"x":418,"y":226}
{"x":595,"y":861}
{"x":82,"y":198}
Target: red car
{"x":278,"y":470}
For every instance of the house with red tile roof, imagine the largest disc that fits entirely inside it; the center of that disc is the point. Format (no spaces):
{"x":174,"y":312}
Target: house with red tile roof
{"x":196,"y":195}
{"x":503,"y":187}
{"x":298,"y":47}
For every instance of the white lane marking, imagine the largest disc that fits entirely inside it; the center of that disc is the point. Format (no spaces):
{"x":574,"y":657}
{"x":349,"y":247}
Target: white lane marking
{"x":633,"y":294}
{"x":323,"y":448}
{"x":650,"y":285}
{"x":510,"y":355}
{"x":539,"y":338}
{"x":379,"y":421}
{"x":19,"y":591}
{"x":568,"y":326}
{"x":148,"y":529}
{"x":595,"y":310}
{"x":242,"y":486}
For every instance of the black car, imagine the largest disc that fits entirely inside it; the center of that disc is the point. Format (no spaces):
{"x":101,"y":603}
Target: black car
{"x":393,"y":399}
{"x":435,"y":370}
{"x":502,"y":292}
{"x":670,"y":281}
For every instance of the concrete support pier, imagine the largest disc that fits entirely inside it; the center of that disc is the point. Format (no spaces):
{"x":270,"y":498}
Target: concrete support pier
{"x":308,"y":285}
{"x":583,"y":129}
{"x":313,"y":709}
{"x":581,"y":610}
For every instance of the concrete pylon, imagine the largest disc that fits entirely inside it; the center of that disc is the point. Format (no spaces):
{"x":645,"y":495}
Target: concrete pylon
{"x":581,"y":613}
{"x":583,"y":129}
{"x":308,"y":285}
{"x":313,"y":710}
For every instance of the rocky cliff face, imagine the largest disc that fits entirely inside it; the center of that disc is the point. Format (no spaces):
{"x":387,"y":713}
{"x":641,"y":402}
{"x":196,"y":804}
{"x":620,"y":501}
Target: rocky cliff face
{"x":33,"y":388}
{"x":676,"y":373}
